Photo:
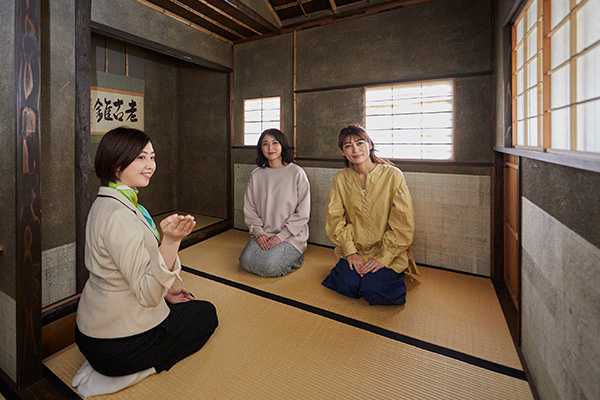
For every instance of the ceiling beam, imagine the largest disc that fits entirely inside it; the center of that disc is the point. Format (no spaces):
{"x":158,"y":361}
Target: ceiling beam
{"x":245,"y":14}
{"x":274,"y":13}
{"x":333,"y":6}
{"x":347,"y":11}
{"x":216,"y":18}
{"x":302,"y":8}
{"x":215,"y":14}
{"x":332,"y":19}
{"x":290,"y":4}
{"x":199,"y":20}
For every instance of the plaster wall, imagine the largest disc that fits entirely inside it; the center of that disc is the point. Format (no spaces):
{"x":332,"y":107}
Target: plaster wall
{"x":138,"y":20}
{"x":452,"y":215}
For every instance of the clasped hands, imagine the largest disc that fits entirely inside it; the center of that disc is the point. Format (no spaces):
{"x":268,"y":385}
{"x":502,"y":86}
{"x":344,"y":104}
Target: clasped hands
{"x":267,"y":243}
{"x":356,"y":263}
{"x":178,"y":295}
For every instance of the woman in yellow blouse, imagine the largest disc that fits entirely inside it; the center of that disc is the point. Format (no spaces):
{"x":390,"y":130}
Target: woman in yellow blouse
{"x":370,"y":220}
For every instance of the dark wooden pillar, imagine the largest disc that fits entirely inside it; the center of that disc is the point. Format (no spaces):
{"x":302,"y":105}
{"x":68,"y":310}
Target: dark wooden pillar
{"x":83,"y":163}
{"x":28,"y":218}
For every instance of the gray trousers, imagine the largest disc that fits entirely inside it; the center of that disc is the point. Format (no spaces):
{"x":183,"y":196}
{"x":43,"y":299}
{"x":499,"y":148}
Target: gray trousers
{"x":278,"y":261}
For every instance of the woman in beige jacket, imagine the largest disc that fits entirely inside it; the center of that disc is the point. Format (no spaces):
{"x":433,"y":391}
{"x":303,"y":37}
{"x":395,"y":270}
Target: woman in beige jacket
{"x":133,"y":313}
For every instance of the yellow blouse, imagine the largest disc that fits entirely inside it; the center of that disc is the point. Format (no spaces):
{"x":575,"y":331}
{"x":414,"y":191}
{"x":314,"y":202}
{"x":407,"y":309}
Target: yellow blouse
{"x":376,"y":221}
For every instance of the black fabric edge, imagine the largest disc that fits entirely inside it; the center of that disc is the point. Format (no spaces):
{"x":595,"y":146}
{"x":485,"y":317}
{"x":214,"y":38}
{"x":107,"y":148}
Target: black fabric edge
{"x":431,"y":347}
{"x":64,"y":389}
{"x":473,"y":274}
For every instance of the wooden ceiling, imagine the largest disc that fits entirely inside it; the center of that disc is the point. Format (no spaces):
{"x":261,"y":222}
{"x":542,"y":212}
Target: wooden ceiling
{"x":229,"y":19}
{"x":236,"y":22}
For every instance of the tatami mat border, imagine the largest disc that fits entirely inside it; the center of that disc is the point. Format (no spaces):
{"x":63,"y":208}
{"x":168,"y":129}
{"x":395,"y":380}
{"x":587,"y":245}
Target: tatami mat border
{"x":63,"y":389}
{"x":457,"y":355}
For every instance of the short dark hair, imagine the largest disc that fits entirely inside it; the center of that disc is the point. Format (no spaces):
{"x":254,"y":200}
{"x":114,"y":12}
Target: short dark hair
{"x":287,"y":155}
{"x":357,"y":131}
{"x":118,"y":148}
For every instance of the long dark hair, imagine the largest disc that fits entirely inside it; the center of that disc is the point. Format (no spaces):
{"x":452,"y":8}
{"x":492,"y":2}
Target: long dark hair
{"x":359,"y":132}
{"x":286,"y":152}
{"x":117,"y":149}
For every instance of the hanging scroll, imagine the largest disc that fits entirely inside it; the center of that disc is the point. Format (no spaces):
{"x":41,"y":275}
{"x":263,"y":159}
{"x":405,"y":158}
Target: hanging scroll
{"x":112,"y":108}
{"x":116,"y":101}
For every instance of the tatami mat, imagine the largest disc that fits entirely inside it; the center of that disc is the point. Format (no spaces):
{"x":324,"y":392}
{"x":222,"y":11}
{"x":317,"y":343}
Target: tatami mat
{"x":267,"y":350}
{"x":456,"y":311}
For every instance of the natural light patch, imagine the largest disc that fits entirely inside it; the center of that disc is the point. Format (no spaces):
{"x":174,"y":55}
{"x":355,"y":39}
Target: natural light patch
{"x":260,"y":114}
{"x":411,"y":121}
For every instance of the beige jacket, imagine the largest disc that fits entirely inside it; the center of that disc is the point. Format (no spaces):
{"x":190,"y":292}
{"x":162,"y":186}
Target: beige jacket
{"x":128,"y":280}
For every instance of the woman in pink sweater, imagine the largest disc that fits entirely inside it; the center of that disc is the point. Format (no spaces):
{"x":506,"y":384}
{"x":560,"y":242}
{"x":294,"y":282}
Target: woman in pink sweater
{"x":276,"y":209}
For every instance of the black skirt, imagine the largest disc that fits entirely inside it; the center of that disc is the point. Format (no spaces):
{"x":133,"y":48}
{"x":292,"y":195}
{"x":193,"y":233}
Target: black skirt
{"x":183,"y":332}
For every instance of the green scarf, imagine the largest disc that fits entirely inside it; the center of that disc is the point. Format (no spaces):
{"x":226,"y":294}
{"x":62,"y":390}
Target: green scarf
{"x":132,"y":195}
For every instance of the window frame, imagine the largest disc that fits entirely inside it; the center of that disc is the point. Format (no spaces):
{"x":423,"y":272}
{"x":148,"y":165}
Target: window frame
{"x":450,"y":81}
{"x":523,"y":16}
{"x":546,"y":33}
{"x":244,"y":134}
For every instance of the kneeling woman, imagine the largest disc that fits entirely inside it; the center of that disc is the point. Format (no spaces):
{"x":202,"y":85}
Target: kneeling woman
{"x":276,"y":209}
{"x":370,"y":220}
{"x":134,"y":314}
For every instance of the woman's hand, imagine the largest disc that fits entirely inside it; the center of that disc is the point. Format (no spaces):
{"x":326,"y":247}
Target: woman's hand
{"x":273,"y":241}
{"x":175,"y":296}
{"x":355,"y":262}
{"x":267,"y":243}
{"x":371,"y":266}
{"x":175,"y":227}
{"x":263,"y":242}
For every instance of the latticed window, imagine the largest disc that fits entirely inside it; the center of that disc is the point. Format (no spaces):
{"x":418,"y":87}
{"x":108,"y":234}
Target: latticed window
{"x":260,"y":114}
{"x":411,"y":120}
{"x":527,"y":77}
{"x":556,"y":76}
{"x":575,"y":75}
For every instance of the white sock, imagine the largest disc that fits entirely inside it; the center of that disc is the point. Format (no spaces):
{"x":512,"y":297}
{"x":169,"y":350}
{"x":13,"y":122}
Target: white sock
{"x":82,"y":374}
{"x":89,"y":382}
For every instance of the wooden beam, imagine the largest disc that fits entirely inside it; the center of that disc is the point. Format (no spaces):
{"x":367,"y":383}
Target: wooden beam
{"x":242,"y":12}
{"x":274,"y":14}
{"x":332,"y":19}
{"x":540,"y":74}
{"x":547,"y":78}
{"x":514,"y":77}
{"x":58,"y":334}
{"x":28,"y":28}
{"x":218,"y":16}
{"x":566,"y":159}
{"x":349,"y":11}
{"x":98,"y":28}
{"x":302,"y":8}
{"x":84,"y":171}
{"x":294,"y":88}
{"x":123,"y":36}
{"x":333,"y":6}
{"x":573,"y":75}
{"x":525,"y":76}
{"x":185,"y":12}
{"x":293,"y":3}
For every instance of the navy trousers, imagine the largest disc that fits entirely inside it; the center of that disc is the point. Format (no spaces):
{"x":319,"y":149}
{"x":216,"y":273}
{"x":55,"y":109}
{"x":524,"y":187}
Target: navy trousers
{"x":384,"y":287}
